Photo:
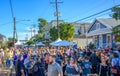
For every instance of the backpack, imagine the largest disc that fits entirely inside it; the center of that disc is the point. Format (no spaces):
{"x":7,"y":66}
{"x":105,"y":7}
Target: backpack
{"x":35,"y":68}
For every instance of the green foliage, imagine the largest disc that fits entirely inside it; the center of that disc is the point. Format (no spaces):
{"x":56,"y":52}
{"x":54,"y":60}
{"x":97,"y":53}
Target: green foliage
{"x":116,"y":14}
{"x":66,"y":32}
{"x":10,"y":42}
{"x":30,"y":42}
{"x":38,"y":37}
{"x":118,"y":39}
{"x":42,"y":23}
{"x":91,"y":45}
{"x":1,"y":44}
{"x":116,"y":32}
{"x":53,"y":33}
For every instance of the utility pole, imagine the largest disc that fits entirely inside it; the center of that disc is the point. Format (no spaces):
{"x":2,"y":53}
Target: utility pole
{"x":57,"y":19}
{"x":57,"y":14}
{"x":26,"y":37}
{"x":34,"y":30}
{"x":14,"y":32}
{"x":31,"y":31}
{"x":14,"y":21}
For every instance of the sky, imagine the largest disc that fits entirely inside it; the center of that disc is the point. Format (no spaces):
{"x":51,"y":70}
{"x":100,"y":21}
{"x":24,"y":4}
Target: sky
{"x":27,"y":13}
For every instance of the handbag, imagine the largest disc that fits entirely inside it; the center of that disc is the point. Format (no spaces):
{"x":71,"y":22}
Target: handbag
{"x":114,"y":70}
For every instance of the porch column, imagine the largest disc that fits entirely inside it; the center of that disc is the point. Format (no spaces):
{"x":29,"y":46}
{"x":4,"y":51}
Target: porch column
{"x":100,"y":40}
{"x":93,"y":39}
{"x":109,"y":40}
{"x":112,"y":40}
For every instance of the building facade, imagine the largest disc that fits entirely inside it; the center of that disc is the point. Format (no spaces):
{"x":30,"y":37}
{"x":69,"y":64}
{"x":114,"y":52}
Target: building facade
{"x":101,"y":32}
{"x":79,"y":33}
{"x":2,"y":38}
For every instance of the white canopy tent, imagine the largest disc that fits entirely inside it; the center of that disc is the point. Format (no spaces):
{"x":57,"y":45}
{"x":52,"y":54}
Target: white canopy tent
{"x":63,"y":43}
{"x":56,"y":41}
{"x":18,"y":43}
{"x":32,"y":45}
{"x":117,"y":43}
{"x":40,"y":44}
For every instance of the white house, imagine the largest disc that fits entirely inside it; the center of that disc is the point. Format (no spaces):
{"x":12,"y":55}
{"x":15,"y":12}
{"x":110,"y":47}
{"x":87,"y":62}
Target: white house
{"x":2,"y":38}
{"x":101,"y":31}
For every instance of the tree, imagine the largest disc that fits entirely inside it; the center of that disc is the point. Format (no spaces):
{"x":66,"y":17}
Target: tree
{"x":116,"y":12}
{"x":4,"y":45}
{"x":30,"y":42}
{"x":10,"y":42}
{"x":38,"y":37}
{"x":116,"y":30}
{"x":53,"y":33}
{"x":66,"y":32}
{"x":42,"y":23}
{"x":91,"y":45}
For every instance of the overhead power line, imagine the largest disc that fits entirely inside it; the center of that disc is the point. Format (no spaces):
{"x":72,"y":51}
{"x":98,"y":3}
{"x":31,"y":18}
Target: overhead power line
{"x":98,"y":16}
{"x":95,"y":14}
{"x":6,"y":23}
{"x":88,"y":9}
{"x":11,"y":8}
{"x":12,"y":22}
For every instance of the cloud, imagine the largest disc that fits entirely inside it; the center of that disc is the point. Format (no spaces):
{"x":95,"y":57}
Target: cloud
{"x":22,"y":35}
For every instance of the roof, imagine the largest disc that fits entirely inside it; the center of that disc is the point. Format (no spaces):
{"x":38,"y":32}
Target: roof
{"x":99,"y":31}
{"x":110,"y":22}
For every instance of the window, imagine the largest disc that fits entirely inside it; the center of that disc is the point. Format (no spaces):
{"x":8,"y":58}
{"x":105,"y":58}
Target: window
{"x":76,"y":30}
{"x":97,"y":25}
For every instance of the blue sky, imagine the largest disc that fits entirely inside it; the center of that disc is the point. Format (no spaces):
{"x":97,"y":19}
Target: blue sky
{"x":71,"y":10}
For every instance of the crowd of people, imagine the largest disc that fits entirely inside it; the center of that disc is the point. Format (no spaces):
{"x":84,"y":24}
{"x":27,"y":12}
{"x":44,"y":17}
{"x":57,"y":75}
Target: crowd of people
{"x":62,"y":61}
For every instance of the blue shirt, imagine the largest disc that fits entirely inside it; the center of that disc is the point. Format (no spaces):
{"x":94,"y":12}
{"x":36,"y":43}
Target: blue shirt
{"x":116,"y":61}
{"x":87,"y":69}
{"x":15,"y":59}
{"x":24,"y":57}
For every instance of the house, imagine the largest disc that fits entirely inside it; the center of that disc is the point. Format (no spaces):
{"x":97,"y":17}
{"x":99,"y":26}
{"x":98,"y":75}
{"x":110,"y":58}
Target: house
{"x":79,"y":33}
{"x":101,"y":32}
{"x":2,"y":38}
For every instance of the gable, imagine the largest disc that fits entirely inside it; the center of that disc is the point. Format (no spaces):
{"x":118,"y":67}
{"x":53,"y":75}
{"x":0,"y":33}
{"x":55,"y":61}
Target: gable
{"x":96,"y":25}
